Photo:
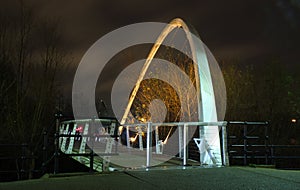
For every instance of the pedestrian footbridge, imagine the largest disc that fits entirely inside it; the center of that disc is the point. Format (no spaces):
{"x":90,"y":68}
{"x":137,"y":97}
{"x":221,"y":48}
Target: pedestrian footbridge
{"x":101,"y":145}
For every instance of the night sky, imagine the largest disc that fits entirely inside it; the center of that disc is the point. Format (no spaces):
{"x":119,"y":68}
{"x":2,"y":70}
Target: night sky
{"x":251,"y":31}
{"x":244,"y":29}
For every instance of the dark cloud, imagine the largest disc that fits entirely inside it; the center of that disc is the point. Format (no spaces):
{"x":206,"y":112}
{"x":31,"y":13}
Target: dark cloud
{"x":245,"y":29}
{"x":248,"y":30}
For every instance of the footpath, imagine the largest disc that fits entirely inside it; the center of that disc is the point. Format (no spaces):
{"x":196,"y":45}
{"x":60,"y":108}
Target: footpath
{"x":167,"y":178}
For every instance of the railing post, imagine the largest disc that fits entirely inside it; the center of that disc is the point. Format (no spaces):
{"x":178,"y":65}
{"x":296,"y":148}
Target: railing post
{"x":149,"y":144}
{"x":245,"y":143}
{"x":140,"y":133}
{"x":56,"y":143}
{"x":56,"y":154}
{"x":118,"y":137}
{"x":23,"y":159}
{"x":91,"y":161}
{"x":180,"y":140}
{"x":157,"y":146}
{"x":266,"y":144}
{"x":45,"y":146}
{"x":127,"y":137}
{"x":185,"y":151}
{"x":201,"y":151}
{"x":272,"y":154}
{"x":224,"y":146}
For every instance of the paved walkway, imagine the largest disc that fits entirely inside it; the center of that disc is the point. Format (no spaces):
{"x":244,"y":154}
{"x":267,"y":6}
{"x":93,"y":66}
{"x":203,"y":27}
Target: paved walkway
{"x":172,"y":178}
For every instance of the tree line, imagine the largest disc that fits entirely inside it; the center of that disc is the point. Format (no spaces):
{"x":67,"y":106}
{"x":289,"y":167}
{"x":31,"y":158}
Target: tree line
{"x":31,"y":56}
{"x":264,"y":92}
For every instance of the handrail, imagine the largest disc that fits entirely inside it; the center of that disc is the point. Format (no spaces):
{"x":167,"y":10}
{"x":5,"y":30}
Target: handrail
{"x":87,"y":120}
{"x":248,"y":122}
{"x":220,"y":123}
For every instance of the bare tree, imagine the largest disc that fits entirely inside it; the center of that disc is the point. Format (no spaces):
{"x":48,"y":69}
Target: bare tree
{"x":31,"y":56}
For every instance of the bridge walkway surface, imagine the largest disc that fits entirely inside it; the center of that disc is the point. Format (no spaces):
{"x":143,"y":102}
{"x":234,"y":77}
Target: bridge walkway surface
{"x":171,"y":178}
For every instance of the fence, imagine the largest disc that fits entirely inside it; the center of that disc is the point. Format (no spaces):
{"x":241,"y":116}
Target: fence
{"x":14,"y":159}
{"x":249,"y":148}
{"x":255,"y":149}
{"x":246,"y":146}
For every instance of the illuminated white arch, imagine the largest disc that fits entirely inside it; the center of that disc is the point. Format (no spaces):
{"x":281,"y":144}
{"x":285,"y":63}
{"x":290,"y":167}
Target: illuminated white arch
{"x":205,"y":100}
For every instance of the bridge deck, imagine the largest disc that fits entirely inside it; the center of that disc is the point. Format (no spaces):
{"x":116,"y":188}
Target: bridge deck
{"x":134,"y":159}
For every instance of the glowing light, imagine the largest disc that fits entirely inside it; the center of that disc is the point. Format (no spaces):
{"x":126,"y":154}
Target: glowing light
{"x":294,"y":120}
{"x":79,"y":129}
{"x":133,"y":139}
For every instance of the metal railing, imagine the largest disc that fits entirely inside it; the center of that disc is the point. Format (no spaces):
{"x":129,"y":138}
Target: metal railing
{"x":15,"y":157}
{"x":246,"y":138}
{"x":90,"y":154}
{"x":149,"y":126}
{"x":184,"y":142}
{"x":250,"y":150}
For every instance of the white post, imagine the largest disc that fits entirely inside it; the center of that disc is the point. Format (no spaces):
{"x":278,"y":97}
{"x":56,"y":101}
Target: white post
{"x":224,"y":146}
{"x":127,"y":137}
{"x":157,"y":145}
{"x":140,"y":138}
{"x":83,"y":140}
{"x":185,"y":144}
{"x":202,"y":151}
{"x":64,"y":139}
{"x":108,"y":149}
{"x":71,"y":142}
{"x":149,"y":144}
{"x":61,"y":131}
{"x":180,"y":140}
